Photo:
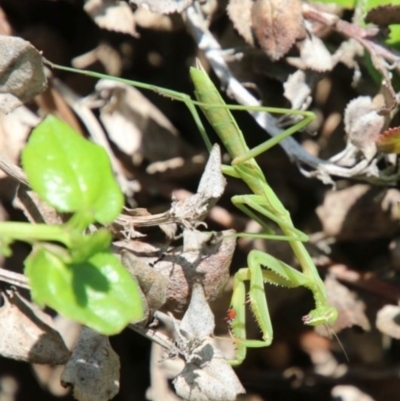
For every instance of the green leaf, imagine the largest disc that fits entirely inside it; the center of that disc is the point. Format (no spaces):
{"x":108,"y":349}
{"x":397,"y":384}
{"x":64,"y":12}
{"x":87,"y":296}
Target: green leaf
{"x":84,"y":246}
{"x":342,"y":3}
{"x":99,"y":293}
{"x":71,"y":173}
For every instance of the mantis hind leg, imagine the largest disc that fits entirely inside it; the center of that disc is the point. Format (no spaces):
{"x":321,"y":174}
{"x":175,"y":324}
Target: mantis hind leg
{"x":262,"y":268}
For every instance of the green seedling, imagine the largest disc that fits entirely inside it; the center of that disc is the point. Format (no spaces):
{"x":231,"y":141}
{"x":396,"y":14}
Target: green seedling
{"x":69,"y":270}
{"x":260,"y":204}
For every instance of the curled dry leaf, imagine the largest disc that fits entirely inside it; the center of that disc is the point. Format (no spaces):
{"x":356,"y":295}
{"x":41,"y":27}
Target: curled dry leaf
{"x":360,"y":212}
{"x":363,"y":125}
{"x":112,"y":15}
{"x":351,"y":309}
{"x":388,"y":320}
{"x":163,"y":6}
{"x":277,"y":24}
{"x":27,"y":333}
{"x":136,"y":126}
{"x":152,"y":284}
{"x":188,"y":212}
{"x":207,"y":375}
{"x":93,"y":369}
{"x":22,"y":75}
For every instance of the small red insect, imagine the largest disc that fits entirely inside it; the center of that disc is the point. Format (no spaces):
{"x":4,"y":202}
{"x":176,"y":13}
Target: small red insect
{"x":230,"y":316}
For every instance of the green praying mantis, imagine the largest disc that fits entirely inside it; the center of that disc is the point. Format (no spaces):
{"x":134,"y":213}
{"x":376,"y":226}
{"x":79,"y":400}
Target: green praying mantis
{"x":260,"y":204}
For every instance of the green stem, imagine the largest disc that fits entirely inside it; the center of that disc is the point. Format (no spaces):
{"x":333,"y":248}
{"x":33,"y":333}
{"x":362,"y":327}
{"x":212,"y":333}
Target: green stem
{"x":34,"y":232}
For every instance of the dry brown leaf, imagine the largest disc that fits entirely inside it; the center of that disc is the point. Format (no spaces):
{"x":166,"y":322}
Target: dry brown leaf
{"x":277,"y":24}
{"x":35,"y":209}
{"x":93,"y":369}
{"x":22,"y":75}
{"x":239,"y":12}
{"x":5,"y":26}
{"x":49,"y":376}
{"x":163,"y":6}
{"x":14,"y":130}
{"x":136,"y":126}
{"x":384,"y":15}
{"x":360,"y":212}
{"x":27,"y":333}
{"x":112,"y":15}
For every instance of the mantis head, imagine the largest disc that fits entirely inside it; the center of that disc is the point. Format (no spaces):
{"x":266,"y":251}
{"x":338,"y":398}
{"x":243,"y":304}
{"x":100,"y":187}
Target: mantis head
{"x":322,"y":315}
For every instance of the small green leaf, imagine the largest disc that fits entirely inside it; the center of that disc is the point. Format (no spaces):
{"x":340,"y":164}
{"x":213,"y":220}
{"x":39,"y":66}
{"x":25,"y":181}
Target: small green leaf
{"x":84,"y":246}
{"x":99,"y":293}
{"x":71,"y":173}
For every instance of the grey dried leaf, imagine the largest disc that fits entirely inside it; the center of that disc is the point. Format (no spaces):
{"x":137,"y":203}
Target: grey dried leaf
{"x":136,"y":126}
{"x":207,"y":375}
{"x":27,"y":333}
{"x":198,"y":319}
{"x":388,"y":320}
{"x":351,"y":309}
{"x":93,"y":369}
{"x":297,"y":90}
{"x":239,"y":12}
{"x":163,"y":6}
{"x":277,"y":24}
{"x":349,"y":393}
{"x":211,"y":187}
{"x":363,"y":125}
{"x":22,"y":74}
{"x":112,"y":15}
{"x":313,"y":55}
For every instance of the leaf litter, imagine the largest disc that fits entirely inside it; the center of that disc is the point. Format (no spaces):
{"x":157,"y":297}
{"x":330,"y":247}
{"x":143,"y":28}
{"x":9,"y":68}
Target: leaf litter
{"x":359,"y":221}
